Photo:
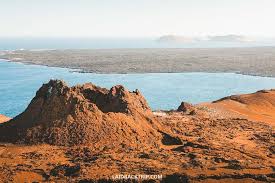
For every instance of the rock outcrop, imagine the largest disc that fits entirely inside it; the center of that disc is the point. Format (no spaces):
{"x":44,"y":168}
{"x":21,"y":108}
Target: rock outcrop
{"x":186,"y":108}
{"x":84,"y":114}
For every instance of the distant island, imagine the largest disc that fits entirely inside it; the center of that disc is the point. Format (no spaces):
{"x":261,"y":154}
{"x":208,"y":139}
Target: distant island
{"x":176,"y":39}
{"x":222,"y":38}
{"x":250,"y":61}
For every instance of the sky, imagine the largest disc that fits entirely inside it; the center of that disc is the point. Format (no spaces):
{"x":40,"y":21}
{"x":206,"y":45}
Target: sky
{"x":136,"y":18}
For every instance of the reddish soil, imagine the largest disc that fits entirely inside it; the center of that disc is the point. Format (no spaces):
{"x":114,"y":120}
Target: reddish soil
{"x":86,"y":133}
{"x":259,"y":106}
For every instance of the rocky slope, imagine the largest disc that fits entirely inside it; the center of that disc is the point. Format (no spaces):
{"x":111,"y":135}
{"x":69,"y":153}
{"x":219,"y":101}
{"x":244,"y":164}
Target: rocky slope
{"x":258,"y":106}
{"x":84,"y":114}
{"x":86,"y":133}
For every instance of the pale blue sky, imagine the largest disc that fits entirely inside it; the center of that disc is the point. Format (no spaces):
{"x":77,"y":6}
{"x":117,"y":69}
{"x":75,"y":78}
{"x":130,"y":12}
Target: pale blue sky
{"x":136,"y":18}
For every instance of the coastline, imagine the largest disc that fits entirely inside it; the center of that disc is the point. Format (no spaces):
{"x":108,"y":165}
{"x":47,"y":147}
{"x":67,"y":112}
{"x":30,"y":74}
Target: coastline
{"x":246,"y":61}
{"x":77,"y":70}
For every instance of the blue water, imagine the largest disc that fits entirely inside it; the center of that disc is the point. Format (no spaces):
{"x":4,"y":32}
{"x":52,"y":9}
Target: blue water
{"x":19,"y":82}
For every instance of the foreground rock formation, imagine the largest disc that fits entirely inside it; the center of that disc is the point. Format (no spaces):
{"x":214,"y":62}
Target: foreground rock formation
{"x":87,"y":114}
{"x":86,"y":133}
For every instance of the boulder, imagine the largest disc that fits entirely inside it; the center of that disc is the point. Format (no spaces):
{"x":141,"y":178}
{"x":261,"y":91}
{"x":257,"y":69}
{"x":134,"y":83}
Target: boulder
{"x":186,"y":108}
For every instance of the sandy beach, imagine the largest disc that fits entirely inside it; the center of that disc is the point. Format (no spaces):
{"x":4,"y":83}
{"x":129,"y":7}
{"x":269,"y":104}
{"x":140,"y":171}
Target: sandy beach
{"x":251,"y":61}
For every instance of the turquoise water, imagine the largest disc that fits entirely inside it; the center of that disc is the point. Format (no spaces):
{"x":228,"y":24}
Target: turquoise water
{"x":19,"y":82}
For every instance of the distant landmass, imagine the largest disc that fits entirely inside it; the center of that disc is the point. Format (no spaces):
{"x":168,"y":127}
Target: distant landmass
{"x":230,"y":38}
{"x":223,"y":38}
{"x":251,"y":61}
{"x":174,"y":38}
{"x":164,"y":41}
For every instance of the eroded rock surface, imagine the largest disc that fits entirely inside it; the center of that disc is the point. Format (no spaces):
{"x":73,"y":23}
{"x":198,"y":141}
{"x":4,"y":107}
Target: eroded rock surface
{"x":84,"y":114}
{"x":186,"y":108}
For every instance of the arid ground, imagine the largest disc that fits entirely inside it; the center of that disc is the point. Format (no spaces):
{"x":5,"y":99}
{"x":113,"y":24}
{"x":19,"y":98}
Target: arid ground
{"x":252,"y":61}
{"x":86,"y":134}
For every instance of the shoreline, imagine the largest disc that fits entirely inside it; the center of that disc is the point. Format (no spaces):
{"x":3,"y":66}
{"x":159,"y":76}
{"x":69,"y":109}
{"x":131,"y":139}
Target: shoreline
{"x":77,"y":70}
{"x":245,"y":61}
{"x":24,"y":62}
{"x":81,"y":71}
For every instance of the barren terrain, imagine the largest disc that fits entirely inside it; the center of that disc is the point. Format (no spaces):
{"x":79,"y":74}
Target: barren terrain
{"x":86,"y":133}
{"x":252,"y":61}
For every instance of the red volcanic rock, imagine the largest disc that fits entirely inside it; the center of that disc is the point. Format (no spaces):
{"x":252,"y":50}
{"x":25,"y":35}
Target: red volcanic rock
{"x":186,"y":108}
{"x":4,"y":118}
{"x":84,"y":114}
{"x":117,"y":99}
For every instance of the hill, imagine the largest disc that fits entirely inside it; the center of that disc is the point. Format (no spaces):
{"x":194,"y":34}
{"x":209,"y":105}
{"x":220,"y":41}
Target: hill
{"x":258,"y":106}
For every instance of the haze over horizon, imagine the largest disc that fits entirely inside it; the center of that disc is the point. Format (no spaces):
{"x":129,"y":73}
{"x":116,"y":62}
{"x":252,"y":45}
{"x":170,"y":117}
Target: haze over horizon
{"x":121,"y":18}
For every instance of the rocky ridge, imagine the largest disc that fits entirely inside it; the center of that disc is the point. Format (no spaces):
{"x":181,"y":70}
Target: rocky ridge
{"x":84,"y":114}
